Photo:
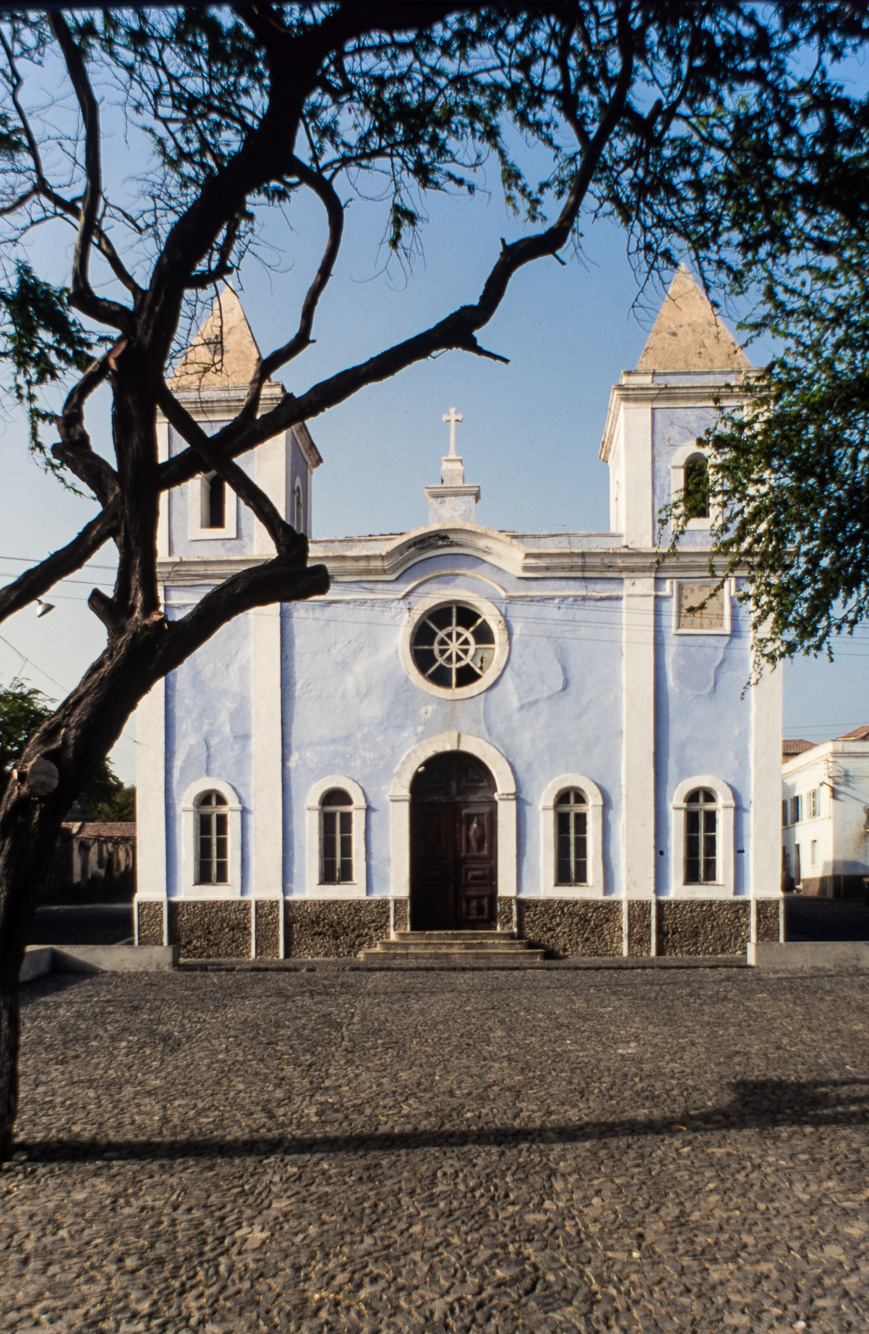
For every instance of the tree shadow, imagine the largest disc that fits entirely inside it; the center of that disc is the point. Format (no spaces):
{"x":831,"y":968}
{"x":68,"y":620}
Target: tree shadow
{"x":755,"y":1105}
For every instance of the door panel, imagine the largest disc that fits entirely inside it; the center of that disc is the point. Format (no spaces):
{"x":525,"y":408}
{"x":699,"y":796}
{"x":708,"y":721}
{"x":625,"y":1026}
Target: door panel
{"x":453,"y":845}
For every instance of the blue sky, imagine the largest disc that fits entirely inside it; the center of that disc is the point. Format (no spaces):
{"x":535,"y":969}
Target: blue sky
{"x":530,"y":435}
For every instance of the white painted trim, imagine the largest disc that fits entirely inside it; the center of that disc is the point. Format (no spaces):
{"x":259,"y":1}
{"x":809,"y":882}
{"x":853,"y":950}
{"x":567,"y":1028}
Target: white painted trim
{"x":724,"y":884}
{"x":505,"y":797}
{"x":764,"y":860}
{"x":595,"y":888}
{"x":271,"y":477}
{"x":151,"y":880}
{"x":267,"y":814}
{"x":358,"y":887}
{"x":197,"y":499}
{"x":678,"y":460}
{"x":410,"y":588}
{"x":446,"y":598}
{"x":638,"y":739}
{"x":233,"y":889}
{"x":637,"y":476}
{"x":163,"y":511}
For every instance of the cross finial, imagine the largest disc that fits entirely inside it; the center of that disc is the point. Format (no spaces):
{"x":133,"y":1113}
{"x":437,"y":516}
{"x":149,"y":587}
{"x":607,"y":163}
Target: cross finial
{"x":452,"y":417}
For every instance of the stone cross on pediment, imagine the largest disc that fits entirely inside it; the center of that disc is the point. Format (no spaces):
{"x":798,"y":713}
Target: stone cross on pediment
{"x":453,"y":417}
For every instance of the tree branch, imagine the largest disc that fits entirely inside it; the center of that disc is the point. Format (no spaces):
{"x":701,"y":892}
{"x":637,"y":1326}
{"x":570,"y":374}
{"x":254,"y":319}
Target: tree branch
{"x":287,"y":541}
{"x":82,"y":295}
{"x":457,"y":330}
{"x":74,"y":447}
{"x":278,"y":580}
{"x":65,"y":561}
{"x":327,"y":194}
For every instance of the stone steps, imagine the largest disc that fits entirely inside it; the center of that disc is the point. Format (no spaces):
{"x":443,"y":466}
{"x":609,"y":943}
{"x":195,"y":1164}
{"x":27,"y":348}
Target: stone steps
{"x":466,"y":946}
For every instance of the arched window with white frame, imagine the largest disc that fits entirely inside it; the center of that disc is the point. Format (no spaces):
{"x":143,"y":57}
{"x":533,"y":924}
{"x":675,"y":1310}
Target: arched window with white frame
{"x":298,"y":507}
{"x":336,"y":862}
{"x":702,"y":852}
{"x":213,"y":508}
{"x":211,"y":839}
{"x":571,"y":838}
{"x":689,"y":481}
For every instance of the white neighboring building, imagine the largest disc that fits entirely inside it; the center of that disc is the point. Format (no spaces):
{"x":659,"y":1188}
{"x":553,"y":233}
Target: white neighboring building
{"x":825,"y":817}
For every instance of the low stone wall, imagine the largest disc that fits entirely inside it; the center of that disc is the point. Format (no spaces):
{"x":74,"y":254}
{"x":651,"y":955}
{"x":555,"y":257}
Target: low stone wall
{"x":210,"y":930}
{"x":572,"y":927}
{"x":268,"y":928}
{"x":149,"y":918}
{"x":336,"y":929}
{"x":769,"y":919}
{"x":698,"y":926}
{"x":639,"y":929}
{"x":565,"y":928}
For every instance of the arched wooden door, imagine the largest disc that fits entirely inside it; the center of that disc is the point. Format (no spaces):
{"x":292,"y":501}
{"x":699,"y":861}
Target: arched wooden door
{"x":453,"y":845}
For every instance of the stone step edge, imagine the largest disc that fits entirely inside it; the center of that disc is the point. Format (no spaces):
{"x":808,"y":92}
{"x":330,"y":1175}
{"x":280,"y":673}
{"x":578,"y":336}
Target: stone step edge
{"x":385,"y":963}
{"x":524,"y":956}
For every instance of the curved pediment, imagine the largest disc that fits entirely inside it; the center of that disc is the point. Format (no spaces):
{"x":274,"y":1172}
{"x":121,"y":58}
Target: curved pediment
{"x":391,"y":555}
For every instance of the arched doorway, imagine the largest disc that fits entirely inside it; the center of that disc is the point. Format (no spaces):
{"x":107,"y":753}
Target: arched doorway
{"x":453,"y":845}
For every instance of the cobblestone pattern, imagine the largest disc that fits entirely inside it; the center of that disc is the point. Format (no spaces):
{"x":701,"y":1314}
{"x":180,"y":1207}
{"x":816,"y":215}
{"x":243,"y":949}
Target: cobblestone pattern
{"x":486,"y":1153}
{"x":566,"y":927}
{"x":769,"y":919}
{"x":337,"y":930}
{"x":702,"y":927}
{"x":505,"y":914}
{"x":150,"y":923}
{"x":209,"y":930}
{"x":268,"y":929}
{"x":401,"y":909}
{"x":639,"y":930}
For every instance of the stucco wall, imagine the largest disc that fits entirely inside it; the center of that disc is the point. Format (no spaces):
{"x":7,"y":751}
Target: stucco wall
{"x":351,"y":709}
{"x":209,"y":731}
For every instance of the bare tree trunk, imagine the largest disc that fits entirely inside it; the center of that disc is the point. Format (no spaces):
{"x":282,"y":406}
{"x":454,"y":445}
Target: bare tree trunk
{"x":29,"y":833}
{"x":54,"y":767}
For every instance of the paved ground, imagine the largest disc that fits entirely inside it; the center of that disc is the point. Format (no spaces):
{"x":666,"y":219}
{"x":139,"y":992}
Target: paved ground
{"x":99,"y":918}
{"x":491,"y":1152}
{"x":825,"y":919}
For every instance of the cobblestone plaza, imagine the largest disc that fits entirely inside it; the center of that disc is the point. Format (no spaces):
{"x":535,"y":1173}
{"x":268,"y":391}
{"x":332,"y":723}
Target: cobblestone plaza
{"x":679,"y":1150}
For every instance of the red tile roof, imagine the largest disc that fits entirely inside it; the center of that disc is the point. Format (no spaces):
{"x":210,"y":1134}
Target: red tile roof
{"x":795,"y":746}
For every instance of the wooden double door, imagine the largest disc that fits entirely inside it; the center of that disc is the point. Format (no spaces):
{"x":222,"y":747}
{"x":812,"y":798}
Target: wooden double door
{"x":453,"y":845}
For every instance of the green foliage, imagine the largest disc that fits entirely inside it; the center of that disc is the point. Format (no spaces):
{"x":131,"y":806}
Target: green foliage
{"x":23,"y":709}
{"x":42,"y":342}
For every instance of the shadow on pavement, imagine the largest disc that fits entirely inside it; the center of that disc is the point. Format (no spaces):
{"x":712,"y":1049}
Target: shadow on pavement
{"x":756,"y":1104}
{"x":101,"y":918}
{"x":825,"y":919}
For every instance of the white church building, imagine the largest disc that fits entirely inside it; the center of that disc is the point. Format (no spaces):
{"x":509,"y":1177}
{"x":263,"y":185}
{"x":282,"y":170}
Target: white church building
{"x":544,"y":735}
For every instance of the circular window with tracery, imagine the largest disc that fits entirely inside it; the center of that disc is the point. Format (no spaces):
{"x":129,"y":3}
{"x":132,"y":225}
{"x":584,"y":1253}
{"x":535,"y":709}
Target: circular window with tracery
{"x":455,"y":648}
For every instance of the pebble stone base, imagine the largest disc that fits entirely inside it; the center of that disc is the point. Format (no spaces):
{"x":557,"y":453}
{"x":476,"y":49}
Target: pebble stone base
{"x":565,"y":928}
{"x":679,"y":1152}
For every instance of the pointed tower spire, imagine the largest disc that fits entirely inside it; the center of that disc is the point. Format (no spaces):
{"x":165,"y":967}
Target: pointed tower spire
{"x":688,"y":335}
{"x":223,"y":352}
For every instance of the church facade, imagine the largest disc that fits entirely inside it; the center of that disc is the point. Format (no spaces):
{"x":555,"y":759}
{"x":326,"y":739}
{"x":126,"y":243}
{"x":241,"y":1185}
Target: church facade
{"x":543,"y":735}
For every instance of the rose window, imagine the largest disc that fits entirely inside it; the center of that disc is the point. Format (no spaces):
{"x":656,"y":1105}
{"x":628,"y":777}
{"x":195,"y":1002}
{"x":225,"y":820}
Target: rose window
{"x":453,"y":646}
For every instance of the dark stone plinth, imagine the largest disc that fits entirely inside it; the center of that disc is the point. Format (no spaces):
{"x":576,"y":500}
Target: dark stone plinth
{"x":639,"y":929}
{"x":506,"y":909}
{"x":703,"y":926}
{"x":150,"y":923}
{"x":336,"y":929}
{"x":268,"y":928}
{"x":401,"y":911}
{"x":769,"y":913}
{"x":568,"y":927}
{"x":210,"y":929}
